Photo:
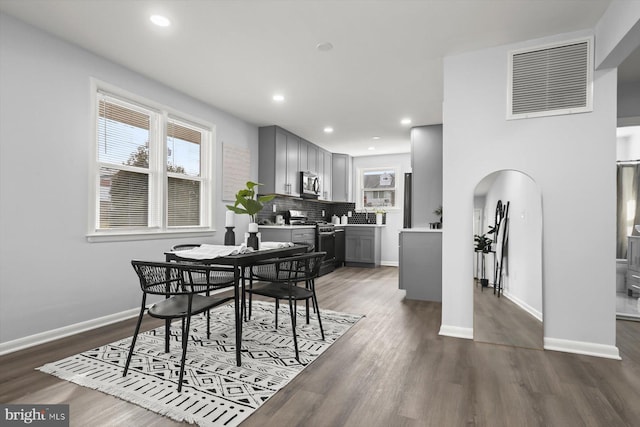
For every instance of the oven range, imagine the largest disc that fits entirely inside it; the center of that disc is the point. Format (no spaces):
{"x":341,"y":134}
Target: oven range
{"x":325,"y":239}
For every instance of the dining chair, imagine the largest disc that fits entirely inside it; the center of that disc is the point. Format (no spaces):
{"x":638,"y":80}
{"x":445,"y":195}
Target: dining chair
{"x":187,"y":289}
{"x":282,"y":277}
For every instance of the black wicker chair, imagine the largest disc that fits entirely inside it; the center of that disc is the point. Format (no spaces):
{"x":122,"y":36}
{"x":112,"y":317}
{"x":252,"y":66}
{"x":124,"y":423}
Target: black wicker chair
{"x":183,"y":285}
{"x":282,"y":276}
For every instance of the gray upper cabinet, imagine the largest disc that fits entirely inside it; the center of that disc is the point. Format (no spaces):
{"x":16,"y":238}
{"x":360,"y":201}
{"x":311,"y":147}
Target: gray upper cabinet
{"x":304,"y":158}
{"x":312,"y":158}
{"x":309,"y":157}
{"x":283,"y":155}
{"x":341,"y":169}
{"x":324,"y":171}
{"x":279,"y":156}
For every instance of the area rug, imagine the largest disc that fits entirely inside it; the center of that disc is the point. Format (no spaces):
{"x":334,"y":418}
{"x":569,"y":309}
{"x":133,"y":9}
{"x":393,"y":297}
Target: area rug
{"x":216,"y":391}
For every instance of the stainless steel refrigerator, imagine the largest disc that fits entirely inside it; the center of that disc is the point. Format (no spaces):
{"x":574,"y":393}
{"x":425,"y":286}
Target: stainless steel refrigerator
{"x":407,"y":201}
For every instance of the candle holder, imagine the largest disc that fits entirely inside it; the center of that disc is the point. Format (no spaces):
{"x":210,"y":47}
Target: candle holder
{"x":229,"y":237}
{"x":252,"y":241}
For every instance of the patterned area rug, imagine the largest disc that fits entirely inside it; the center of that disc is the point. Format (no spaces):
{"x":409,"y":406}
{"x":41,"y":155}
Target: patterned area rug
{"x":216,"y":391}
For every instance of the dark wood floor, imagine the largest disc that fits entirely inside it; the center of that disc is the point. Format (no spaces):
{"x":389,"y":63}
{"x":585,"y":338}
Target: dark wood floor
{"x":501,"y":321}
{"x":391,"y":369}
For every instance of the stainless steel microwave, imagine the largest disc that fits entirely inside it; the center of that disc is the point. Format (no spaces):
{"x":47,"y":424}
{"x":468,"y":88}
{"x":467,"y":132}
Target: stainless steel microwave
{"x":309,"y":185}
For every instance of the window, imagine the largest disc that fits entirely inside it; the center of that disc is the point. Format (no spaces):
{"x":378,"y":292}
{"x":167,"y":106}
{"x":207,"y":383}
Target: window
{"x":152,"y":169}
{"x":377,"y":188}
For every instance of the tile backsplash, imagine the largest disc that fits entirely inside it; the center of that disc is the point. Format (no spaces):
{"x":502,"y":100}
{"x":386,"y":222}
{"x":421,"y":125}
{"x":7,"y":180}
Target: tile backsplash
{"x":314,"y":210}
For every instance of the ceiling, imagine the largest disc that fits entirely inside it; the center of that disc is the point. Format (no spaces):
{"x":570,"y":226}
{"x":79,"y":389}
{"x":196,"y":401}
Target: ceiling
{"x":385,"y":65}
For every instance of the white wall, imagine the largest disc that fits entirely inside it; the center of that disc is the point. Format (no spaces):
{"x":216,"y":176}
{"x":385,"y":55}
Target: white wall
{"x":390,"y":233}
{"x":50,"y":276}
{"x":571,"y":158}
{"x":522,"y":281}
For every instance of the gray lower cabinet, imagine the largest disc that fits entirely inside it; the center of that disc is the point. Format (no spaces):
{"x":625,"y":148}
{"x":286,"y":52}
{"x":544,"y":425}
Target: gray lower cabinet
{"x":306,"y":235}
{"x":362,"y":246}
{"x":420,"y":272}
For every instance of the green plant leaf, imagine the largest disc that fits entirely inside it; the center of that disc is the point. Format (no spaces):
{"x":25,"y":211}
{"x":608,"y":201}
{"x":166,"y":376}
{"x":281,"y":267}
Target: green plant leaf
{"x":267,"y":198}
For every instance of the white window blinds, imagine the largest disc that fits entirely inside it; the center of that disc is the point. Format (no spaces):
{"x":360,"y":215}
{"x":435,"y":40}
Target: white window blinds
{"x":152,"y":173}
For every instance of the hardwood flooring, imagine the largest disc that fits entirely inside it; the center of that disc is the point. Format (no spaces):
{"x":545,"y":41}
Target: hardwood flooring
{"x":501,"y":321}
{"x":391,"y":369}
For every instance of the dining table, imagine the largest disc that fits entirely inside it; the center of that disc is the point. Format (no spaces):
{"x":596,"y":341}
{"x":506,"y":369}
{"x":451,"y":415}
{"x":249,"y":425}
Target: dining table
{"x":240,"y":258}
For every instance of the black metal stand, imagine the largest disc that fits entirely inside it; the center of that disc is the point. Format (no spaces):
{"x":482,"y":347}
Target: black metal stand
{"x":230,"y":237}
{"x":252,"y":241}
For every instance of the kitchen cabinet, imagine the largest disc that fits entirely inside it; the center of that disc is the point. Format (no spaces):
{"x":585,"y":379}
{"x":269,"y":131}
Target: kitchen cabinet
{"x":340,"y":248}
{"x":309,"y":157}
{"x":324,"y":173}
{"x":341,"y":174}
{"x":279,"y":157}
{"x":420,"y":264}
{"x":363,"y":246}
{"x":296,"y":234}
{"x":633,"y":266}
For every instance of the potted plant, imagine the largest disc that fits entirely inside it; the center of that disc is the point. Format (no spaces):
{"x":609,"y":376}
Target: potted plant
{"x":379,"y":215}
{"x":248,"y":202}
{"x":483,"y":243}
{"x":438,"y":213}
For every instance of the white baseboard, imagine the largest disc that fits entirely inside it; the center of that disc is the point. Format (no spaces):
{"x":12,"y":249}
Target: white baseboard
{"x":523,"y":305}
{"x":65,"y":331}
{"x":580,"y":347}
{"x":456,"y":332}
{"x":389,"y":263}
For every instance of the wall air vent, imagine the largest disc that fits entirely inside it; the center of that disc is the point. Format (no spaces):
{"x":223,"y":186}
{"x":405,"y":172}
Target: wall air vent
{"x":550,"y":80}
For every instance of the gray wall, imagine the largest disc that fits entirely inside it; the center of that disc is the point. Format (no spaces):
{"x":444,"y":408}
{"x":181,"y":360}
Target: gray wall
{"x":426,"y":168}
{"x":629,"y":101}
{"x":50,"y":276}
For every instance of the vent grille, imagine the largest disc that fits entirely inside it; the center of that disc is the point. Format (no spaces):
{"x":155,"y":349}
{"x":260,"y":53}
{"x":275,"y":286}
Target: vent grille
{"x":550,"y":81}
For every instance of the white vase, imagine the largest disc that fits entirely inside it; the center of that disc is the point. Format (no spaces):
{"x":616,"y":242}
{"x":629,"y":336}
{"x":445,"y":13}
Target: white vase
{"x":379,"y":219}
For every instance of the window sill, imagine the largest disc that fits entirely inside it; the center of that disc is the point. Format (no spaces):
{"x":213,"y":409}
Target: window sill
{"x":127,"y":236}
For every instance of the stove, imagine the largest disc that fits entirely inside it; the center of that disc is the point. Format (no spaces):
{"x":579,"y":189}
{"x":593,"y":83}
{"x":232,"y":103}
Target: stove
{"x":325,"y":237}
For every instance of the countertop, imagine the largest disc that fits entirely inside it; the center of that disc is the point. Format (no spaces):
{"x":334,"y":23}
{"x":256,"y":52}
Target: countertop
{"x":297,"y":227}
{"x":421,"y":230}
{"x":287,"y":227}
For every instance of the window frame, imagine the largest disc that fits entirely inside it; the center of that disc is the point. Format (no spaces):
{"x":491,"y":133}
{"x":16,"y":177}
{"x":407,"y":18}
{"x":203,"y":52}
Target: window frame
{"x":360,"y":185}
{"x":158,"y":227}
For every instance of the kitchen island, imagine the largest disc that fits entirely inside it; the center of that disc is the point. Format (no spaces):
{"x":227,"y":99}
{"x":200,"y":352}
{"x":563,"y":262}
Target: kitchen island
{"x":420,"y":273}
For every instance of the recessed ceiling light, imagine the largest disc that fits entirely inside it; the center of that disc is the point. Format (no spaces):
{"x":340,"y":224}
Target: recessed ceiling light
{"x":324,"y":46}
{"x":160,"y":21}
{"x":278,"y":98}
{"x":371,"y":148}
{"x":405,"y":121}
{"x":376,"y":137}
{"x":328,"y":129}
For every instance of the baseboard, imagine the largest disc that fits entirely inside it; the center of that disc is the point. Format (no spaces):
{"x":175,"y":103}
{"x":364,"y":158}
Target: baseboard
{"x":456,"y":332}
{"x":523,"y":305}
{"x":580,"y":347}
{"x":389,"y":263}
{"x":65,"y":331}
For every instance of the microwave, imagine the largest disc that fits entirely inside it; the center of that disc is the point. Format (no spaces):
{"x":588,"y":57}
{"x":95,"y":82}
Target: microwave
{"x":309,"y":185}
